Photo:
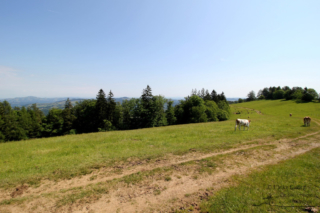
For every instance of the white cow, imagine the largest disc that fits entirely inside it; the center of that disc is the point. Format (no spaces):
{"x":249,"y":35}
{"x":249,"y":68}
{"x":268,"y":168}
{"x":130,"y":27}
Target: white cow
{"x":242,"y":122}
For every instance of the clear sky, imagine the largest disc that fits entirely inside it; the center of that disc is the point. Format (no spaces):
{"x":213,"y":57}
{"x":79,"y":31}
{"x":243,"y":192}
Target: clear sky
{"x":59,"y":48}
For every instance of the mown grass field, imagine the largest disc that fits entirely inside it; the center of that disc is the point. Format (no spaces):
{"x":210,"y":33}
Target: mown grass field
{"x":69,"y":156}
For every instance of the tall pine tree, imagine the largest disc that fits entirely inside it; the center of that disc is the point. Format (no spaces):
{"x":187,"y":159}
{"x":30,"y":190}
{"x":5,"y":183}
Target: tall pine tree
{"x":111,"y":107}
{"x":148,"y":111}
{"x":214,"y":96}
{"x":101,"y":109}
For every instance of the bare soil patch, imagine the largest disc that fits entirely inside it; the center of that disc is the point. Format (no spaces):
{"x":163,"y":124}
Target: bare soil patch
{"x":19,"y":191}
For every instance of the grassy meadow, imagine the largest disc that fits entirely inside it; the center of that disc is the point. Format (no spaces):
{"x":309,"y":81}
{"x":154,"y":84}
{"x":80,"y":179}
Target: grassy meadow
{"x":69,"y":156}
{"x":290,"y":186}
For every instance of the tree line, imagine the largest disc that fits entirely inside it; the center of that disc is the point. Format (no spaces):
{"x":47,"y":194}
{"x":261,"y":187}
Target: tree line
{"x":104,"y":114}
{"x":274,"y":93}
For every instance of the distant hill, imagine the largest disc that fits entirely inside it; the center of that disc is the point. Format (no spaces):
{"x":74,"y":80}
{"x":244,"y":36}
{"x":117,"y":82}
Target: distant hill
{"x":24,"y":101}
{"x":233,"y":99}
{"x":45,"y":104}
{"x":45,"y":107}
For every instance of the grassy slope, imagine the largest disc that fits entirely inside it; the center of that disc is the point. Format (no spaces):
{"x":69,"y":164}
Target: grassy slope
{"x":68,"y":156}
{"x":290,"y":186}
{"x":293,"y":183}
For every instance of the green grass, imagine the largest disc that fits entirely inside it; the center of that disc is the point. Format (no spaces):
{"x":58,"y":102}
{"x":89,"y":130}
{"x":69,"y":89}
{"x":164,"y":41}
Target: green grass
{"x":290,"y":186}
{"x":73,"y":155}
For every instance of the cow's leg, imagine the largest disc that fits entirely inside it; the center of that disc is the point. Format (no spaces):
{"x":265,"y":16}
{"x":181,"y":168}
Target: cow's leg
{"x":235,"y":128}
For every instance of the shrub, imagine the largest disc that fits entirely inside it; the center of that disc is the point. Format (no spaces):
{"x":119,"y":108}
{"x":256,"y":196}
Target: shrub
{"x":223,"y":115}
{"x":307,"y":97}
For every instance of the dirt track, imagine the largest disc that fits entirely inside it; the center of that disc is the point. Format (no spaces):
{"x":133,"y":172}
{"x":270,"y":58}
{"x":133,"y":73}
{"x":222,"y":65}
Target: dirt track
{"x":184,"y":189}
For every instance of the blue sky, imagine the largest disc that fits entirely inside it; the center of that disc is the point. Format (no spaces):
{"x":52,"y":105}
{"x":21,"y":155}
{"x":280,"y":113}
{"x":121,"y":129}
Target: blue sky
{"x":74,"y":48}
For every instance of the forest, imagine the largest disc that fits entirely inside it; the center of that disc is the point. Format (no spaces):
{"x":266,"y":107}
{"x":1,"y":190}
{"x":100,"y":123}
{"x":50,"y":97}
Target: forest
{"x":105,"y":114}
{"x":274,"y":93}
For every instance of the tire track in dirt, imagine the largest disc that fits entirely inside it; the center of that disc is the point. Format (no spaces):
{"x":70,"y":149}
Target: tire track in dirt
{"x":174,"y":197}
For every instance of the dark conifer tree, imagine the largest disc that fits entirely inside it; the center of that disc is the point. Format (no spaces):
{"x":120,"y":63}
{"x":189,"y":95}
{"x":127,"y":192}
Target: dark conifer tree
{"x":111,"y":107}
{"x":223,"y":97}
{"x":214,"y":96}
{"x":85,"y":113}
{"x":202,"y":93}
{"x":147,"y":114}
{"x":207,"y":96}
{"x":101,"y":109}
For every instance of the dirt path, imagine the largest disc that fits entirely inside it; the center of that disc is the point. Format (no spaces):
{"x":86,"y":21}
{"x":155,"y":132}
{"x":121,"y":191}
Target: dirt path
{"x":183,"y":189}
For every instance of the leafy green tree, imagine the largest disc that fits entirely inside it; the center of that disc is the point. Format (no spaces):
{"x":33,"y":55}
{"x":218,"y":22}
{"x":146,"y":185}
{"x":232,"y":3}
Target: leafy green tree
{"x":118,"y":116}
{"x":85,"y":113}
{"x":224,"y":112}
{"x":53,"y":123}
{"x":271,"y":91}
{"x":261,"y":97}
{"x":309,"y":94}
{"x":160,"y":115}
{"x":68,"y":117}
{"x":313,"y":93}
{"x":191,"y":110}
{"x":171,"y":118}
{"x":286,"y":88}
{"x":211,"y":110}
{"x":128,"y":107}
{"x":24,"y":120}
{"x":9,"y":124}
{"x":266,"y":93}
{"x":278,"y":94}
{"x":198,"y":114}
{"x":288,"y":94}
{"x":223,"y":115}
{"x":251,"y":96}
{"x":36,"y":121}
{"x":259,"y":93}
{"x":240,"y":100}
{"x":297,"y":95}
{"x":2,"y":136}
